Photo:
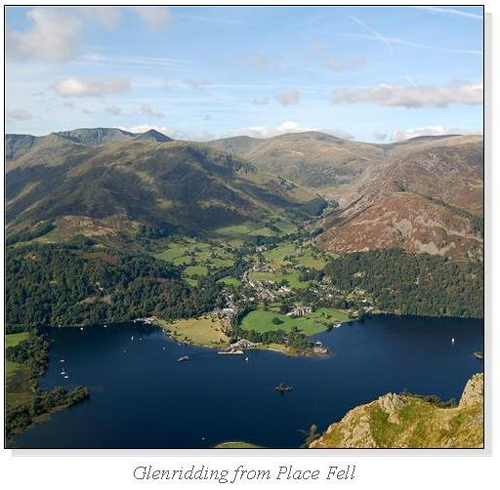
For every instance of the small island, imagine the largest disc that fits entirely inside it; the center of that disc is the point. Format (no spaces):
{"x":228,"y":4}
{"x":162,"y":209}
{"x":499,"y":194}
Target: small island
{"x":283,"y":388}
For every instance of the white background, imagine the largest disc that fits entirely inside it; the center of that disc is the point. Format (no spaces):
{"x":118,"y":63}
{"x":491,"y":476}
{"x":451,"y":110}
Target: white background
{"x":387,"y":469}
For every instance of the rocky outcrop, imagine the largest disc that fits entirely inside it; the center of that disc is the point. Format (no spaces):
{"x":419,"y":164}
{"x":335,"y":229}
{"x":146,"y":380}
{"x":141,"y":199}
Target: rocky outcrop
{"x":473,"y":392}
{"x":405,"y":421}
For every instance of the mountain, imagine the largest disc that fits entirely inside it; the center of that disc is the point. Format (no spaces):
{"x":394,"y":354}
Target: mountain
{"x":316,"y":160}
{"x":409,"y":421}
{"x":237,"y":145}
{"x":113,"y":189}
{"x":17,"y":145}
{"x":424,"y":194}
{"x":427,"y":198}
{"x":96,"y":136}
{"x":152,"y":135}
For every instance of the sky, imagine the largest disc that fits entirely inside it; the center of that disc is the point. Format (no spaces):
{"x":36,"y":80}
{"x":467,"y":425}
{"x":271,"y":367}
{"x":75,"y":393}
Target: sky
{"x":199,"y":73}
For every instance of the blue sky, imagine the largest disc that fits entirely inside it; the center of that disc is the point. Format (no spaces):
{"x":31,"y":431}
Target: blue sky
{"x":367,"y":73}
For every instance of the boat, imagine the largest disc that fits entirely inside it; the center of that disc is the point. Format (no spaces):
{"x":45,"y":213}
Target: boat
{"x":81,"y":328}
{"x":246,"y":358}
{"x":66,"y":377}
{"x":453,"y":340}
{"x":183,"y":359}
{"x":478,"y":354}
{"x":337,"y":325}
{"x":61,"y":360}
{"x":132,"y":338}
{"x":228,"y":352}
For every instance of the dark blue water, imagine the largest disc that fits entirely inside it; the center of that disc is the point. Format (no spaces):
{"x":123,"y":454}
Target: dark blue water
{"x":141,"y":397}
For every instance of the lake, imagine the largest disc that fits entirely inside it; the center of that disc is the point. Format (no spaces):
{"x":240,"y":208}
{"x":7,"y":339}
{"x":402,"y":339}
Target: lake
{"x":141,"y":397}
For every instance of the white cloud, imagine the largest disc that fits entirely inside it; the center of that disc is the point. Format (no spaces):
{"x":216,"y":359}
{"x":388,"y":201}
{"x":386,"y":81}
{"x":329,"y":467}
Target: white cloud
{"x":404,"y":134}
{"x":91,"y":87}
{"x":412,"y":96}
{"x":288,"y":98}
{"x":155,"y":18}
{"x":54,"y":36}
{"x":19,"y":115}
{"x":147,"y":110}
{"x":346,"y":64}
{"x":114,"y":110}
{"x":108,"y":17}
{"x":380,"y":135}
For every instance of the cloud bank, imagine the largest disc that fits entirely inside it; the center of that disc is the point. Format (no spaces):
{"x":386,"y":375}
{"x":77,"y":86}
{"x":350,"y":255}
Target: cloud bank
{"x":91,"y":87}
{"x":411,"y":96}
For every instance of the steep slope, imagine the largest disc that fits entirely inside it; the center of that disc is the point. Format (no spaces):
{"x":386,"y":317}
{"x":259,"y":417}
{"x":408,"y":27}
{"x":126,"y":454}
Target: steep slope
{"x":428,"y":198}
{"x":17,"y":145}
{"x":103,"y":190}
{"x":405,"y":421}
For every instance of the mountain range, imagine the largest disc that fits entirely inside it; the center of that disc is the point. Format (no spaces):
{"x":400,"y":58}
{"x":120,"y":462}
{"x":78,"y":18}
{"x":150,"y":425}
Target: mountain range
{"x":423,"y":195}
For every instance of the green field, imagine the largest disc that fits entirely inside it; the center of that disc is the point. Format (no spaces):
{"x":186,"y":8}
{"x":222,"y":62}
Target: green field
{"x":230,"y":281}
{"x":316,"y":322}
{"x":249,"y":229}
{"x":11,"y":340}
{"x":292,"y":278}
{"x":191,"y":270}
{"x":286,"y":253}
{"x":17,"y":376}
{"x":261,"y":321}
{"x":205,"y":331}
{"x":183,"y":252}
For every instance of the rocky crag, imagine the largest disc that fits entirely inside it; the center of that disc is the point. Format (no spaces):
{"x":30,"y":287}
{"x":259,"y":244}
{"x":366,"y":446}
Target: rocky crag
{"x":405,"y":421}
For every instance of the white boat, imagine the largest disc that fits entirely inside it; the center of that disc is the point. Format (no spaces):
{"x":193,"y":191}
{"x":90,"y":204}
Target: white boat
{"x":453,"y":340}
{"x":61,"y":360}
{"x":337,"y":325}
{"x":66,"y":377}
{"x":246,"y":358}
{"x":183,"y":358}
{"x":132,"y":338}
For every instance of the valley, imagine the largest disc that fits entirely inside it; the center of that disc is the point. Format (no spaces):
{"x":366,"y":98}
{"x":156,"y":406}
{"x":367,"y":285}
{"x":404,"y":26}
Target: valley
{"x":266,"y":244}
